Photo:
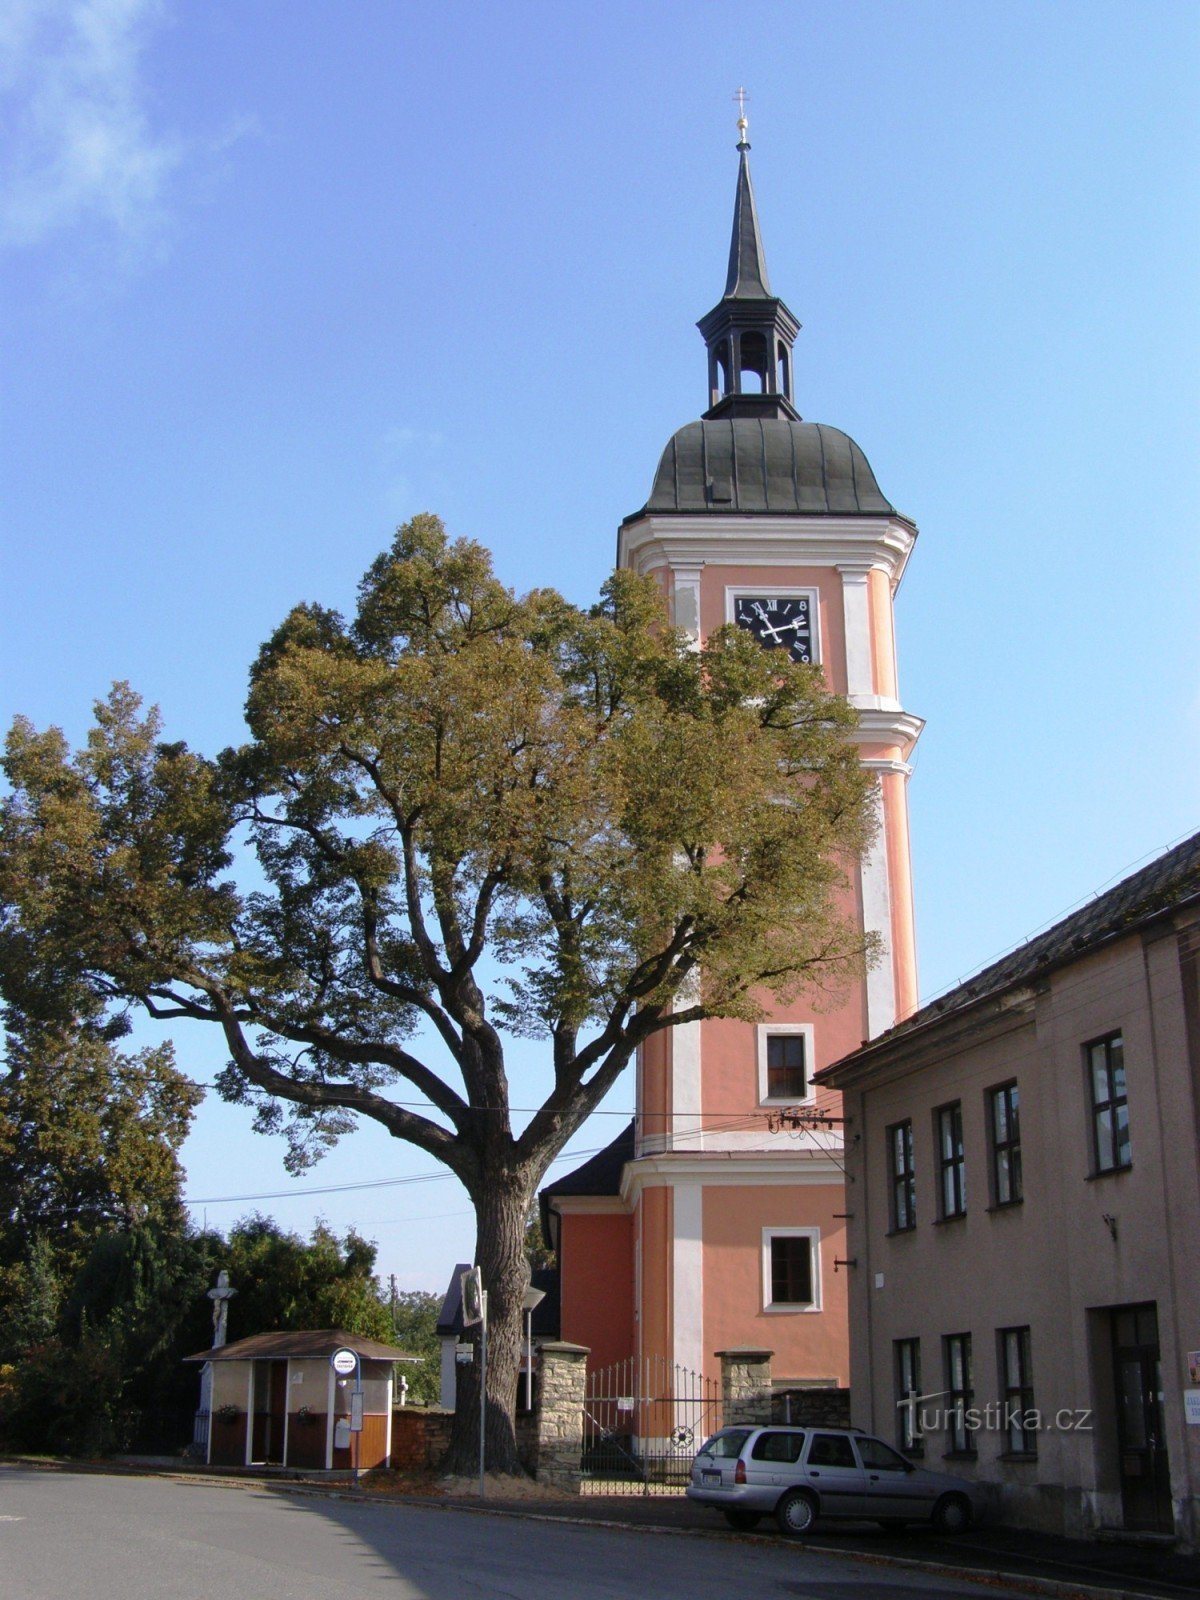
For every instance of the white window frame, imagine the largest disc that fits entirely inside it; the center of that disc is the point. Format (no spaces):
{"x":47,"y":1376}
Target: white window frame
{"x":746,"y":591}
{"x":767,"y":1030}
{"x":813,"y":1235}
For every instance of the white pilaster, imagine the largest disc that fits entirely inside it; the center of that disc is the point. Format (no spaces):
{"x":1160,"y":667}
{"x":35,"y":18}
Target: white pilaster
{"x":687,"y":1276}
{"x":877,"y":919}
{"x":685,"y":1132}
{"x":685,"y":603}
{"x":856,"y":613}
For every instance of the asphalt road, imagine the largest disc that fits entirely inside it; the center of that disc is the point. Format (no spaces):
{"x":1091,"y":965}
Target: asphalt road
{"x":65,"y":1535}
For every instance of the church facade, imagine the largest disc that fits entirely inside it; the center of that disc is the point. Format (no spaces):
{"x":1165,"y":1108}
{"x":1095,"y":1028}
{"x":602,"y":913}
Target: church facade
{"x":718,"y":1219}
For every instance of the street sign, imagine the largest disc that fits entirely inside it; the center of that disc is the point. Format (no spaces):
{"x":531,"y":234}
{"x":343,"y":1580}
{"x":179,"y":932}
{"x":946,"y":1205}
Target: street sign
{"x":343,"y":1362}
{"x":356,"y":1404}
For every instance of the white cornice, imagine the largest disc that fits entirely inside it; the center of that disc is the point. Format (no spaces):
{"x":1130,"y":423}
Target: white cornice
{"x":765,"y":539}
{"x":587,"y":1204}
{"x":717,"y":1170}
{"x":884,"y":722}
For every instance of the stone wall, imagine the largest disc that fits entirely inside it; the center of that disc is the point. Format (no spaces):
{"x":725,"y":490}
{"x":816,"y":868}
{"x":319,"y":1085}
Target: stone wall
{"x":420,"y":1438}
{"x":746,"y":1385}
{"x":561,"y":1396}
{"x":823,"y":1407}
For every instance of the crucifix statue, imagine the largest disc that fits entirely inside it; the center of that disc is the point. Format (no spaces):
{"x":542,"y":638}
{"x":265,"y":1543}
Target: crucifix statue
{"x":220,"y":1297}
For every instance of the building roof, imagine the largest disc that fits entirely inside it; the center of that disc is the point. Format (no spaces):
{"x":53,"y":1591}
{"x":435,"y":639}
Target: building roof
{"x":304,"y":1344}
{"x":1169,"y":882}
{"x":601,"y":1173}
{"x":737,"y":464}
{"x":545,"y":1322}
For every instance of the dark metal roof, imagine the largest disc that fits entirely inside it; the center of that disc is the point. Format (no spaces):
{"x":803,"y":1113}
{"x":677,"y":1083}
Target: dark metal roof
{"x":1163,"y":886}
{"x":747,"y":279}
{"x":601,"y":1174}
{"x":306,"y":1343}
{"x":766,"y":464}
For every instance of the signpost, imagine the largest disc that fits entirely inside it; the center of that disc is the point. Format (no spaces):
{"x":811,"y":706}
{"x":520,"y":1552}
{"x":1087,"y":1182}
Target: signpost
{"x":474,"y":1310}
{"x":344,"y":1362}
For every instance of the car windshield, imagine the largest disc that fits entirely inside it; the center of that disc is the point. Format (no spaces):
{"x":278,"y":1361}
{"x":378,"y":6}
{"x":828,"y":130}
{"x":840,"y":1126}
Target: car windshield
{"x":726,"y":1444}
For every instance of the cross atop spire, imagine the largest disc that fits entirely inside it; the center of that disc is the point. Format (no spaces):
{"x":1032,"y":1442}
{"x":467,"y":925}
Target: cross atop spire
{"x":741,"y":97}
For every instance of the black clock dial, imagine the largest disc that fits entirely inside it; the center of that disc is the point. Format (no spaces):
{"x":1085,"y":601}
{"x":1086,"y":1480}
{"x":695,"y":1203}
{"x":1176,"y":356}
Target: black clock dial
{"x":780,"y":622}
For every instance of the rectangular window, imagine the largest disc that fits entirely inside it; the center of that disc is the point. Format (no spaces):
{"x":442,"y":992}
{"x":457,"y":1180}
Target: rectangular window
{"x":791,"y":1268}
{"x":1110,"y":1108}
{"x":908,"y":1390}
{"x":1004,"y":1123}
{"x":960,"y":1392}
{"x":952,"y":1169}
{"x":1016,"y":1380}
{"x":901,"y":1177}
{"x":786,"y":1078}
{"x":785,"y":1063}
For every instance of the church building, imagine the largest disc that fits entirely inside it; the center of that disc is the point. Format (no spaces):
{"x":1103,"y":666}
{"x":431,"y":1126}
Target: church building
{"x":718,"y":1219}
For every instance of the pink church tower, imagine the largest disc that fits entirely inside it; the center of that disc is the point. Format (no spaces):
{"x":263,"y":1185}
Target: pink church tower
{"x":714,"y":1222}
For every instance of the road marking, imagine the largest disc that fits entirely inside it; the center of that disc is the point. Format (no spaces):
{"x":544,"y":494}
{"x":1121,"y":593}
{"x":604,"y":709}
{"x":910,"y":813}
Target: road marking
{"x":12,"y":1519}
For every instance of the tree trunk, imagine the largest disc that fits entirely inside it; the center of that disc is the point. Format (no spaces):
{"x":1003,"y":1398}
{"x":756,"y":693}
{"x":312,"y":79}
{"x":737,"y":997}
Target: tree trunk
{"x":501,"y":1210}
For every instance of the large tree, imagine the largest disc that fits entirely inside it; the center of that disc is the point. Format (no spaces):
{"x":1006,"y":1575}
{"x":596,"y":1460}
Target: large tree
{"x":472,"y":815}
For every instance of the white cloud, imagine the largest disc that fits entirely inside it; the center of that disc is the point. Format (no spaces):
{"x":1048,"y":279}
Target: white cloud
{"x":78,"y":142}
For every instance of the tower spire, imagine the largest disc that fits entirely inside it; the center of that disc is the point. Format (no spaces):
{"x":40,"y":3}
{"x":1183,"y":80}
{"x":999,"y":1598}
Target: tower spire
{"x":749,"y":332}
{"x":747,"y":277}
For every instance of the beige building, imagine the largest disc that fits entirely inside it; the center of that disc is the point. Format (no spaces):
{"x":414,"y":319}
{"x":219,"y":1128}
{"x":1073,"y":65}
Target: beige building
{"x":1024,"y":1232}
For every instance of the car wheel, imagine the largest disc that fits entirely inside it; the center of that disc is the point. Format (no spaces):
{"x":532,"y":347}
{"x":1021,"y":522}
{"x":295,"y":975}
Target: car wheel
{"x":743,"y":1521}
{"x":952,"y":1514}
{"x":796,"y":1512}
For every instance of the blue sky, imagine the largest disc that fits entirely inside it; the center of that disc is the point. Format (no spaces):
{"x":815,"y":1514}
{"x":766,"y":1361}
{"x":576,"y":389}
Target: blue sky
{"x":277,"y":276}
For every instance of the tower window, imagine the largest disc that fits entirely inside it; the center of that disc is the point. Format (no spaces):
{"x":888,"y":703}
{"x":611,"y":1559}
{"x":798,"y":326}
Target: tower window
{"x":754,"y":364}
{"x":785,"y":1063}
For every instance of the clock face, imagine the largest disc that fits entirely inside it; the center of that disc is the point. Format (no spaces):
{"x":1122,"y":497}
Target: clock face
{"x":778,"y":621}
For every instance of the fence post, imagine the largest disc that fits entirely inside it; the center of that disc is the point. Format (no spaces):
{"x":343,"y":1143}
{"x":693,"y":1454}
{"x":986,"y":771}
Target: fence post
{"x":562,"y":1391}
{"x":746,"y":1385}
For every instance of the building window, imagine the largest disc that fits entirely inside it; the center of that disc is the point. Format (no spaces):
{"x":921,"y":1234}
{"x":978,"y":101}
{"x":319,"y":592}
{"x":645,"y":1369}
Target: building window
{"x":908,"y":1392}
{"x":791,"y":1265}
{"x":1004,"y":1123}
{"x":960,"y":1393}
{"x":952,"y":1169}
{"x":901,"y":1177}
{"x":1016,"y":1379}
{"x":1110,"y":1108}
{"x":785,"y":1063}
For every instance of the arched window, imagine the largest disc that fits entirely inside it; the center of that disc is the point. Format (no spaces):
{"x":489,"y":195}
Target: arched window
{"x":785,"y":377}
{"x":754,"y":364}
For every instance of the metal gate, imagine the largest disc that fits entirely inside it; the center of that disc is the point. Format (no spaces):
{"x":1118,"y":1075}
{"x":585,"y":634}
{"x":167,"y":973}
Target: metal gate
{"x":643,"y":1422}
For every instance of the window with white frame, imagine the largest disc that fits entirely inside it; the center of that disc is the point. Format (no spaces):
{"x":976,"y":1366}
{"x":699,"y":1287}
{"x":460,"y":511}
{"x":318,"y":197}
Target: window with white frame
{"x":791,"y":1269}
{"x":785,"y":1064}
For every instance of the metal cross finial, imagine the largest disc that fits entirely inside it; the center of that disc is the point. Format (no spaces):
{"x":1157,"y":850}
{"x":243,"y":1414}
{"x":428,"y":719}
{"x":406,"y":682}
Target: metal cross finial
{"x":741,"y":97}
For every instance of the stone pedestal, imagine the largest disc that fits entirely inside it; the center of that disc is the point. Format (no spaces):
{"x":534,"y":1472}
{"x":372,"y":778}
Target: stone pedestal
{"x":562,"y":1391}
{"x":746,"y":1385}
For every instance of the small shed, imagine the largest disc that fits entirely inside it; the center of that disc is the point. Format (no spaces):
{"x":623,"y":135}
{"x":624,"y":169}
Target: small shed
{"x":276,"y":1401}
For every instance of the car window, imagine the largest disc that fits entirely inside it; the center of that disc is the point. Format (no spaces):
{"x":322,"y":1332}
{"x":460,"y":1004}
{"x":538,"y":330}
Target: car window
{"x":880,"y":1457}
{"x":777,"y":1447}
{"x":726,"y":1445}
{"x":831,"y":1450}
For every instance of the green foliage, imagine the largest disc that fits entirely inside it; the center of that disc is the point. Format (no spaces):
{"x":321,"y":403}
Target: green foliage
{"x":414,"y":1315}
{"x":286,"y":1282}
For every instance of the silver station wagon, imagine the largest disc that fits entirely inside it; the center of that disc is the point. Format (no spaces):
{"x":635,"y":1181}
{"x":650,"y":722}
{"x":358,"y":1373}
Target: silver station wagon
{"x":800,"y":1474}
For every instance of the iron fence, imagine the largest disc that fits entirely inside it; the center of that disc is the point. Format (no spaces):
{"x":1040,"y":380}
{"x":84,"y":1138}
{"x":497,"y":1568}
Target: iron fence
{"x":643,"y":1422}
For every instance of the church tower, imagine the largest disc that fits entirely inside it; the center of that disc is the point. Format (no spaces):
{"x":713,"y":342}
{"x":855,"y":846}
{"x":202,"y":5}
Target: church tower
{"x":715,"y":1222}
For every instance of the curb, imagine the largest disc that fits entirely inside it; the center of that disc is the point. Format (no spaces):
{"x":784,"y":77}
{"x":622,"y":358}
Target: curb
{"x":1024,"y":1583}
